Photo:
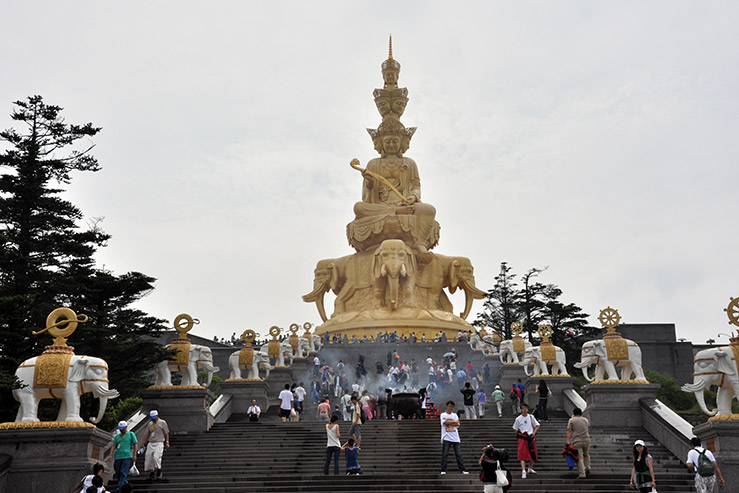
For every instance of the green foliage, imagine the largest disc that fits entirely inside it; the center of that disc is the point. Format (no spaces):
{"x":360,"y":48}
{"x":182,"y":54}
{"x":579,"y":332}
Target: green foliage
{"x":670,"y":392}
{"x":215,"y":384}
{"x":122,"y":409}
{"x":47,"y":259}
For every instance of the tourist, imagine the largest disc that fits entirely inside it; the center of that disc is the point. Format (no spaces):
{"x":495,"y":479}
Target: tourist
{"x":157,"y":436}
{"x":515,"y":396}
{"x":96,"y":485}
{"x":379,"y":369}
{"x":336,"y":412}
{"x":431,"y":390}
{"x":482,"y":401}
{"x":286,"y":403}
{"x":424,"y":404}
{"x":498,"y":397}
{"x":469,"y":401}
{"x":461,"y":377}
{"x":431,"y":371}
{"x":522,"y":388}
{"x":381,"y":403}
{"x":86,"y":482}
{"x":490,"y":460}
{"x":356,"y":429}
{"x":346,"y":407}
{"x":642,"y":472}
{"x":578,"y":437}
{"x":450,"y":438}
{"x":314,"y":386}
{"x":125,"y":447}
{"x":543,"y":390}
{"x":333,"y":445}
{"x":352,"y":457}
{"x":254,"y":411}
{"x":486,"y":373}
{"x":526,"y":427}
{"x":323,"y":411}
{"x":316,"y":365}
{"x":300,"y":395}
{"x":702,"y":462}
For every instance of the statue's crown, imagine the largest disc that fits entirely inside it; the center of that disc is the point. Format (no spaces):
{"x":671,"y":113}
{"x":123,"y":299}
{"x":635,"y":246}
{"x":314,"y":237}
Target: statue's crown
{"x":390,"y":63}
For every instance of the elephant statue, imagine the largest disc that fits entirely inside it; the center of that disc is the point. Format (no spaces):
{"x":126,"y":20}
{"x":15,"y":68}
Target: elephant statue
{"x":594,"y":353}
{"x":259,"y":360}
{"x":286,"y":353}
{"x":85,"y":374}
{"x":200,"y":358}
{"x":506,"y":352}
{"x":715,"y":366}
{"x":449,"y":272}
{"x":316,"y":343}
{"x":303,"y":348}
{"x":394,"y":262}
{"x":339,"y":275}
{"x":532,"y":356}
{"x":476,"y":342}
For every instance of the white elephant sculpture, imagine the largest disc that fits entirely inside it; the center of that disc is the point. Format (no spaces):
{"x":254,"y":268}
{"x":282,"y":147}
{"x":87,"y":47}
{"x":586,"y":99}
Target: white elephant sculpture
{"x":85,"y":374}
{"x":286,"y":353}
{"x":594,"y":353}
{"x":532,"y":356}
{"x":201,"y":358}
{"x":259,"y":360}
{"x":476,"y":343}
{"x":303,"y":348}
{"x":316,"y":343}
{"x":715,"y":366}
{"x":506,"y":352}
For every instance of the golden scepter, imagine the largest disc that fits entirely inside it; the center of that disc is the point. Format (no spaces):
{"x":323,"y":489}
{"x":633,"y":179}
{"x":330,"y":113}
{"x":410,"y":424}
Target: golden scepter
{"x":354,"y":163}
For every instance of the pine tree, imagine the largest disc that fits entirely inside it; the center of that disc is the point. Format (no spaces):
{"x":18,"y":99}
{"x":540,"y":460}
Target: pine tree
{"x":502,"y":304}
{"x":47,"y":258}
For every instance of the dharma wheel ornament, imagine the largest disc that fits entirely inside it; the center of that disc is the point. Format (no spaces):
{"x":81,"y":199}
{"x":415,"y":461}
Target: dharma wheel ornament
{"x":60,"y":324}
{"x":616,"y":346}
{"x":548,"y":349}
{"x":294,"y":340}
{"x":519,"y":345}
{"x":183,"y":323}
{"x":732,"y":311}
{"x":273,"y":348}
{"x":307,"y":326}
{"x":246,"y":354}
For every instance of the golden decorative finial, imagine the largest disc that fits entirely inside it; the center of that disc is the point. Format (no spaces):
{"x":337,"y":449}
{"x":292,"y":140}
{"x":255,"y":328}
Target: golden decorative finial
{"x":610,"y":319}
{"x":517,"y":328}
{"x":545,"y":332}
{"x":733,"y":311}
{"x":519,"y":345}
{"x":273,"y":347}
{"x":183,"y":323}
{"x":248,"y":336}
{"x":390,"y":51}
{"x":61,"y":317}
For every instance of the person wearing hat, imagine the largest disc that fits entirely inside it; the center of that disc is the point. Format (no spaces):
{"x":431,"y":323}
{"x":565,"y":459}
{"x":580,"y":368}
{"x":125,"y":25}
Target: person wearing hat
{"x":642,"y":473}
{"x":498,"y":397}
{"x":125,"y":446}
{"x":157,"y":436}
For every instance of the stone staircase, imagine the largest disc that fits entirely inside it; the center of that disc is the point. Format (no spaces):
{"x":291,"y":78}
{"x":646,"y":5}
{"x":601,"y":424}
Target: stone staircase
{"x":271,"y":456}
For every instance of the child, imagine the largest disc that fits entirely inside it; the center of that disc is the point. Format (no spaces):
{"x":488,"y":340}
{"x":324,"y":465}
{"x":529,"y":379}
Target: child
{"x":97,"y":470}
{"x":352,"y":458}
{"x":97,"y":485}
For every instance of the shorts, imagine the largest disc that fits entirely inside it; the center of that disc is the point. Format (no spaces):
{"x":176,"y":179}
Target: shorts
{"x":355,"y":430}
{"x":285,"y":413}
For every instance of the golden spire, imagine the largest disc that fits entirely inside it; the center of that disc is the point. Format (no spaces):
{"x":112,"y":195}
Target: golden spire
{"x":390,"y":50}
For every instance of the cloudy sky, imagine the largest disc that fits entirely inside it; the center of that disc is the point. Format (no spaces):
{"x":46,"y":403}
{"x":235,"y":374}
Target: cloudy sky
{"x":596,"y":138}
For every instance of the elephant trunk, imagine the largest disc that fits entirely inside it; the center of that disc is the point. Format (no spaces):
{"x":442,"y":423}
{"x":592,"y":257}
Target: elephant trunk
{"x":697,"y":388}
{"x":321,"y":309}
{"x":526,"y":369}
{"x":319,"y":290}
{"x":467,"y":305}
{"x":101,"y":410}
{"x":210,"y":369}
{"x":585,"y":372}
{"x":392,"y":283}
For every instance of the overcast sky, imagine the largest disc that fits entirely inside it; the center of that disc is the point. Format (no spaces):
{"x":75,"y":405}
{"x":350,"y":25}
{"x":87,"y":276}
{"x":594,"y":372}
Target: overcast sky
{"x":596,"y":138}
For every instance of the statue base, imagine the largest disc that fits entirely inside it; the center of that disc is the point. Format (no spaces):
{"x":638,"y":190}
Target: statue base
{"x":722,"y":438}
{"x":278,"y":377}
{"x":510,"y":374}
{"x":51,"y":456}
{"x":557,"y":384}
{"x":184,"y":409}
{"x":617,"y":404}
{"x":302,"y":369}
{"x":244,"y":391}
{"x":404,"y":321}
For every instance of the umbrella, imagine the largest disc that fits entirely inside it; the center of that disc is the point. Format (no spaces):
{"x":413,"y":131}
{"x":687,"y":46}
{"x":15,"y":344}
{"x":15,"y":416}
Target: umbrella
{"x":448,"y":355}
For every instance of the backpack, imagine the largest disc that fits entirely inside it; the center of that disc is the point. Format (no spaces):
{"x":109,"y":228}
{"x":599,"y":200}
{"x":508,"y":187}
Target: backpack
{"x":705,"y":466}
{"x":515,"y":393}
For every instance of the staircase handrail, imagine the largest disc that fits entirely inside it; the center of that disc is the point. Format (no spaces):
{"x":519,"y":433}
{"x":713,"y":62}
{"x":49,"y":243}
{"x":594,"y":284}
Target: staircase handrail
{"x":668,"y":427}
{"x":220,"y":409}
{"x":571,"y":399}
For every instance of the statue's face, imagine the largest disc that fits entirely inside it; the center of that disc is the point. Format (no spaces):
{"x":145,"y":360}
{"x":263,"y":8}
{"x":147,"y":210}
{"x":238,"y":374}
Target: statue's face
{"x":383,"y":106}
{"x":390,"y":77}
{"x":391,"y":144}
{"x":398,"y":106}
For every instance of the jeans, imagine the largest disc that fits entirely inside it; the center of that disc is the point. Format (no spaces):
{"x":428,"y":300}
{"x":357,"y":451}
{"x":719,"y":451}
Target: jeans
{"x":329,"y":452}
{"x":121,"y":467}
{"x":543,"y":409}
{"x":457,"y":453}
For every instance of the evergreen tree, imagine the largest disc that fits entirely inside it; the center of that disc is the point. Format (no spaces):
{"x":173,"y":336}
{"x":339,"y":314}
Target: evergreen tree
{"x":46,"y":260}
{"x":502,"y":304}
{"x":531,"y":304}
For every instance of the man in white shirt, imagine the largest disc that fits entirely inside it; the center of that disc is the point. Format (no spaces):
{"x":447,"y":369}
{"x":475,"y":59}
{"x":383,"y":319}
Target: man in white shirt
{"x":316,"y":365}
{"x":346,"y":410}
{"x":450,"y":438}
{"x":526,"y":427}
{"x":254,"y":411}
{"x":702,"y":462}
{"x":286,"y":403}
{"x":300,"y":397}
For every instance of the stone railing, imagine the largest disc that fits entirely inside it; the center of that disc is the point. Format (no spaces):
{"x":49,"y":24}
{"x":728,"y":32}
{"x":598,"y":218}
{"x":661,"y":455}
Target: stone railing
{"x":668,"y":427}
{"x":220,"y":410}
{"x":571,"y":399}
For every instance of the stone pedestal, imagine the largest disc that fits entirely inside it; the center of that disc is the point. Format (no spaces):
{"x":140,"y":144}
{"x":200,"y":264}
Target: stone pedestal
{"x":556,"y":384}
{"x":722,"y":438}
{"x":617,"y":404}
{"x":244,"y":391}
{"x":184,"y":409}
{"x":46,"y":459}
{"x":278,"y":377}
{"x":302,"y":370}
{"x":509,"y":374}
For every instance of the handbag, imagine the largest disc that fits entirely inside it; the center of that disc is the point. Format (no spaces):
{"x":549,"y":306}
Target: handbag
{"x":134,"y":471}
{"x":501,"y":478}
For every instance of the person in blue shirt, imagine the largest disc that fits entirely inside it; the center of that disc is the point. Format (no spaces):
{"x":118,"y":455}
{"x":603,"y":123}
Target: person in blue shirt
{"x":352,"y":458}
{"x":125,"y":446}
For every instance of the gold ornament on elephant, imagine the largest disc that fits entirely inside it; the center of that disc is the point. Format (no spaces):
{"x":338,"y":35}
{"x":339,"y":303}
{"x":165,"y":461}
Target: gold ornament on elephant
{"x":273,"y":348}
{"x":548,"y":350}
{"x":61,"y":317}
{"x":617,"y":348}
{"x":307,"y":326}
{"x":183,"y":323}
{"x":246,"y":355}
{"x":733,"y":311}
{"x":294,"y":339}
{"x":519,"y":345}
